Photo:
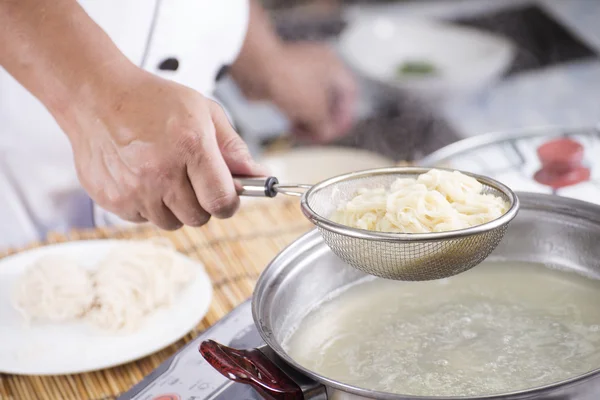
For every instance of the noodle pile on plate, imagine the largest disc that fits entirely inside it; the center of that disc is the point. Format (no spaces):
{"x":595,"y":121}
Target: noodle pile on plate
{"x":135,"y":279}
{"x":437,"y":201}
{"x":56,"y":289}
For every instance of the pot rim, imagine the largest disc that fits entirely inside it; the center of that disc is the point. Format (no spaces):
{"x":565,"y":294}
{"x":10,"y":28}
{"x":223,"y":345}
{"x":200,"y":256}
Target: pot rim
{"x":537,"y":201}
{"x":475,"y":142}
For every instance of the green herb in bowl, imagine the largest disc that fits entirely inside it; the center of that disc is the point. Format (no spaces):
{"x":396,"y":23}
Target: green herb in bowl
{"x":416,"y":68}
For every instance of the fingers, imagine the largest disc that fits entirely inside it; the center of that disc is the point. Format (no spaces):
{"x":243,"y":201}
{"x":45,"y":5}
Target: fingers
{"x":319,"y":97}
{"x":335,"y":115}
{"x":198,"y":183}
{"x":313,"y":121}
{"x":184,"y":205}
{"x":133,"y":216}
{"x":182,"y":175}
{"x":136,"y":197}
{"x":234,"y":150}
{"x":344,"y":104}
{"x":178,"y":207}
{"x":110,"y":196}
{"x":210,"y":176}
{"x":159,"y":193}
{"x":160,"y":215}
{"x":313,"y":131}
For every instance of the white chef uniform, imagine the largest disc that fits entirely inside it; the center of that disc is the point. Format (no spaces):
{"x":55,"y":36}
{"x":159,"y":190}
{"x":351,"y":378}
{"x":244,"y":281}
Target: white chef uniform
{"x":188,"y":41}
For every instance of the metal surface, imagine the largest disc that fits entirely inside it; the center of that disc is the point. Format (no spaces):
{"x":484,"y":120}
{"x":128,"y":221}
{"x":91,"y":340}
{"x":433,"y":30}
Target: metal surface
{"x":558,"y":231}
{"x":311,"y":389}
{"x":257,"y":187}
{"x":403,"y":256}
{"x":268,"y":187}
{"x":468,"y":145}
{"x":398,"y":256}
{"x":186,"y":375}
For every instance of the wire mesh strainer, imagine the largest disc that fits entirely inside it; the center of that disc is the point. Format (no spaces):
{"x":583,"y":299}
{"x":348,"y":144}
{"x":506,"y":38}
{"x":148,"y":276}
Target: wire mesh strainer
{"x":398,"y":256}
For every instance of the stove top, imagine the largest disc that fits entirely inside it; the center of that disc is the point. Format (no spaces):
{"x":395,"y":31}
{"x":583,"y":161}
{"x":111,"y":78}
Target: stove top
{"x":187,"y":376}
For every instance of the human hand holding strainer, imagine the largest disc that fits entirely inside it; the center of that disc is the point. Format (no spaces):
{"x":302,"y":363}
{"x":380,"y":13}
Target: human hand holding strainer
{"x":398,"y":256}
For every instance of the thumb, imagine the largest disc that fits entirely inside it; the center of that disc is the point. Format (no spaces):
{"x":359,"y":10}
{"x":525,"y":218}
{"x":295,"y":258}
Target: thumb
{"x":233,"y":149}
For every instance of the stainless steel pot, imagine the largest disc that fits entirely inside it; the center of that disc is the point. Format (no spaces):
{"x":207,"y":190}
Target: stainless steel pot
{"x":548,"y":229}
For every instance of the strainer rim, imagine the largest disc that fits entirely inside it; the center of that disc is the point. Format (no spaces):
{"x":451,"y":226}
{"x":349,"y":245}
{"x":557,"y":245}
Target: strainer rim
{"x":325,"y":223}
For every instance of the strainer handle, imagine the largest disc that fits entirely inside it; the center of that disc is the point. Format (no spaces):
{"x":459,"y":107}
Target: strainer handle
{"x":266,"y":187}
{"x":257,"y":187}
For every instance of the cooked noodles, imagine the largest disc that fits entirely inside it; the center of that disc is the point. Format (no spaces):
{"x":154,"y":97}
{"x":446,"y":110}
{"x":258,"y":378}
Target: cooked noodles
{"x":436,"y":201}
{"x":133,"y":280}
{"x":54,"y":289}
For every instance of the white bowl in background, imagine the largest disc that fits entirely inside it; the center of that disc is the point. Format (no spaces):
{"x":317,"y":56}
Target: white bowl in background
{"x":466,"y":59}
{"x":312,"y":165}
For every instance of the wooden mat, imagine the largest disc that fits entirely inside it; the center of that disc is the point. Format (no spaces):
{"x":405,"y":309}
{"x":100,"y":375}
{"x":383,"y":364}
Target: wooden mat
{"x":234,"y":253}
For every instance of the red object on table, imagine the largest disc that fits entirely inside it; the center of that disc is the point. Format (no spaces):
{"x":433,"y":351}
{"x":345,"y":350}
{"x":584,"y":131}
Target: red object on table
{"x":561,"y":164}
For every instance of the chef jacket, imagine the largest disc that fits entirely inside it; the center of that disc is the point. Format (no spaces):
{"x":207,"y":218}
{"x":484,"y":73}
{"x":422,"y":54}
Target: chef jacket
{"x":188,"y":41}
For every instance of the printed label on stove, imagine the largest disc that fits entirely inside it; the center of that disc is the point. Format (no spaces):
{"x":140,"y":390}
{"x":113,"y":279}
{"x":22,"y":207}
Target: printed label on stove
{"x":187,"y":376}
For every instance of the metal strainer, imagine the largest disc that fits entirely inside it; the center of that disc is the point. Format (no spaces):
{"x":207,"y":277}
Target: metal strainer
{"x":398,"y":256}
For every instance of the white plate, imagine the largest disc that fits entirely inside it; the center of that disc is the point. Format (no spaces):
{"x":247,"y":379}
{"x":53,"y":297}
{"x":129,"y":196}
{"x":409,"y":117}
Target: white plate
{"x":466,"y":59}
{"x":312,"y":165}
{"x":55,"y":349}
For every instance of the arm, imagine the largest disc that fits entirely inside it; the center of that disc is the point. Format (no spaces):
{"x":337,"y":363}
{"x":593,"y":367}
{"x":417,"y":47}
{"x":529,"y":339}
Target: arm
{"x":145,"y":148}
{"x":305,"y":80}
{"x":55,"y":50}
{"x":257,"y":62}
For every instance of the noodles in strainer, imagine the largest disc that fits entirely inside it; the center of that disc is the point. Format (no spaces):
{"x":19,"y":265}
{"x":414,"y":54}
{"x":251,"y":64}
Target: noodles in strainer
{"x":437,"y":201}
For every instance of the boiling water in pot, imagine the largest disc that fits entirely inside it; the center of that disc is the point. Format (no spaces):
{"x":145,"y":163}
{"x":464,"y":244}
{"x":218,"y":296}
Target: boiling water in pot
{"x":498,"y":328}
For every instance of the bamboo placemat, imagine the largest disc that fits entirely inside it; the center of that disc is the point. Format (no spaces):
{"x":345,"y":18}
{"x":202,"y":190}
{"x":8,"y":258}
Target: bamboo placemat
{"x":233,"y":251}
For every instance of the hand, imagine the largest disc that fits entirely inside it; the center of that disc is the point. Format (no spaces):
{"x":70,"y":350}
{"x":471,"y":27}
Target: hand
{"x":314,"y":89}
{"x":149,"y":149}
{"x":305,"y":80}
